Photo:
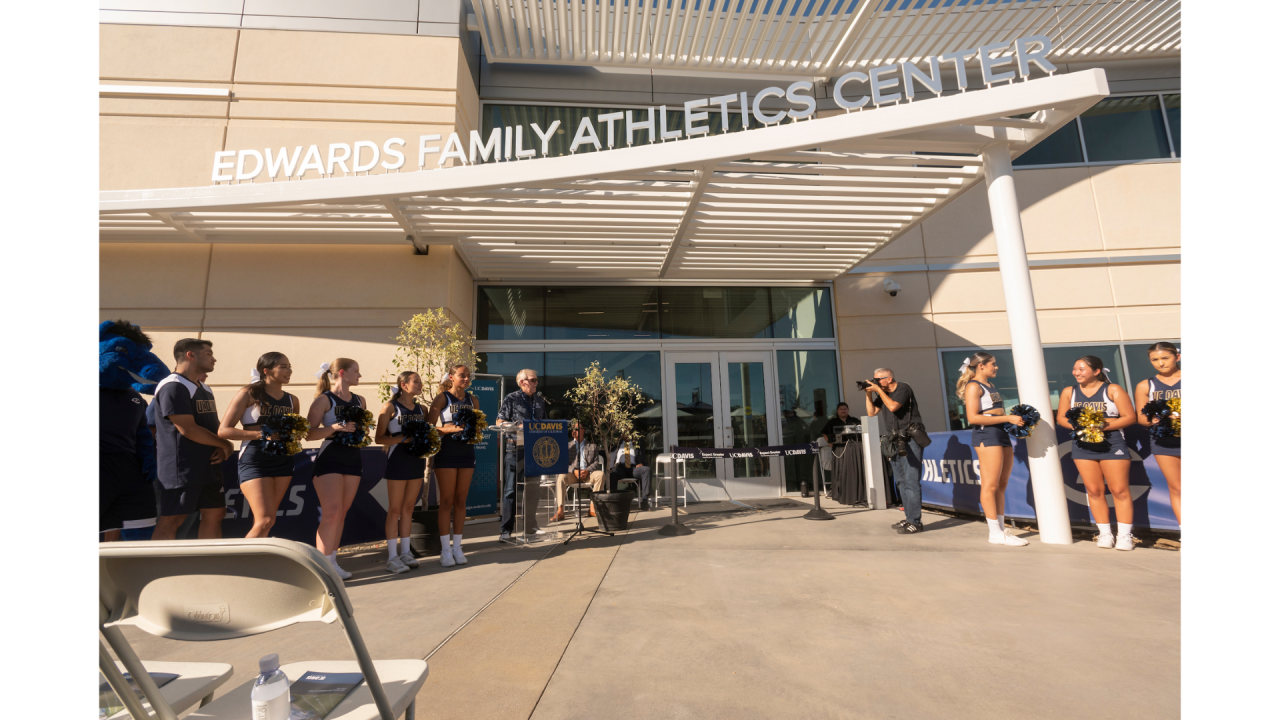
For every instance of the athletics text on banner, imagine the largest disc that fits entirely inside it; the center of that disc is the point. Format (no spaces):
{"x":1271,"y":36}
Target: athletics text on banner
{"x":546,"y":447}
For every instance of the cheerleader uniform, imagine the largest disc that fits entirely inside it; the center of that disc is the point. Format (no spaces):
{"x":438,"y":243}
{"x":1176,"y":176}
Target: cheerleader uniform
{"x":253,"y":462}
{"x":454,"y":453}
{"x":335,"y":457}
{"x":400,"y":464}
{"x":1114,"y":439}
{"x":989,"y":435}
{"x":1157,"y":390}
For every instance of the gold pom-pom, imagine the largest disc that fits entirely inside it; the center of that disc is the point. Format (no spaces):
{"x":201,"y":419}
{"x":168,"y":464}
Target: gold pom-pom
{"x":1175,"y":415}
{"x":482,"y":424}
{"x":1092,"y":422}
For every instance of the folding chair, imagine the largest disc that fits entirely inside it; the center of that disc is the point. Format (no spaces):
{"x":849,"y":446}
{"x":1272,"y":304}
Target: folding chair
{"x":196,"y":681}
{"x":223,"y":589}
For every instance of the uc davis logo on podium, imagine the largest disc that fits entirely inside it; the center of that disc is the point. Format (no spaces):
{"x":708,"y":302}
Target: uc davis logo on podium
{"x":546,"y":447}
{"x":545,"y":452}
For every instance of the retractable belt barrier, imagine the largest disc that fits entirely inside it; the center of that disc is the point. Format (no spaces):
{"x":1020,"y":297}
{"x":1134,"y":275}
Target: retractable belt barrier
{"x":696,"y":453}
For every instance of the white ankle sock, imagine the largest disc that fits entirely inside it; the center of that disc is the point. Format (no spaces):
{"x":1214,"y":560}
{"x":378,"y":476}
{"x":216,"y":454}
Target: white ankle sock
{"x":1124,"y":528}
{"x":995,"y":526}
{"x":404,"y":546}
{"x":333,"y":558}
{"x":393,"y":550}
{"x":1000,"y":519}
{"x":445,"y":545}
{"x":1104,"y":528}
{"x":457,"y":542}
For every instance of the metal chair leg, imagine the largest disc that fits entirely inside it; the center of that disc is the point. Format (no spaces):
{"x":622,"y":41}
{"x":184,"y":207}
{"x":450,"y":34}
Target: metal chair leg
{"x":408,"y":712}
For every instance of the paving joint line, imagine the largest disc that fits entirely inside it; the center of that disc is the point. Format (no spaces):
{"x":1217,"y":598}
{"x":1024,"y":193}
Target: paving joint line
{"x":574,"y":634}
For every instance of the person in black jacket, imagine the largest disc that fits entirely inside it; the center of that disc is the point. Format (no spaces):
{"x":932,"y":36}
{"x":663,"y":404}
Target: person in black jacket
{"x":629,"y":463}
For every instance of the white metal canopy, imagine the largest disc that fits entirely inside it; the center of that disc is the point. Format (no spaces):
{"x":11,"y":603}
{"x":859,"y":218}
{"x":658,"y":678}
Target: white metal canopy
{"x":814,"y":38}
{"x":803,"y":201}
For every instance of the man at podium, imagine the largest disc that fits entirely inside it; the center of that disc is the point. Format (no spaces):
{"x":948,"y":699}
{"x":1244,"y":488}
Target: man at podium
{"x":523,"y":404}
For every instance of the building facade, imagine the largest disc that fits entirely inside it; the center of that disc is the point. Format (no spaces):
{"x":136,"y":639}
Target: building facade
{"x":757,"y":355}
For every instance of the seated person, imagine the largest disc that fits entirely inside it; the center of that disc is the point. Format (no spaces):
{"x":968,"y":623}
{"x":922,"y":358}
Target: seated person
{"x":586,"y":466}
{"x":629,"y":463}
{"x":831,"y":431}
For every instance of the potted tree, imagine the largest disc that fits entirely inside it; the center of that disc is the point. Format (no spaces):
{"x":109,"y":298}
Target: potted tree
{"x":606,"y":408}
{"x":429,"y":343}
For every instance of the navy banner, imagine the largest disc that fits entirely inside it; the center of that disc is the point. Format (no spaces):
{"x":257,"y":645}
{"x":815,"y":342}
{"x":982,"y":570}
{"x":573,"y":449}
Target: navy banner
{"x":546,"y":447}
{"x":482,"y":498}
{"x":696,"y":453}
{"x":950,"y":478}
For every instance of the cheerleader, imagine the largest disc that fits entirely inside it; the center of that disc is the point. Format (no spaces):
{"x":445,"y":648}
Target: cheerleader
{"x":337,"y":466}
{"x":1165,"y":384}
{"x":455,"y":462}
{"x":1101,"y":469}
{"x":984,"y":411}
{"x":404,"y":472}
{"x":264,"y":479}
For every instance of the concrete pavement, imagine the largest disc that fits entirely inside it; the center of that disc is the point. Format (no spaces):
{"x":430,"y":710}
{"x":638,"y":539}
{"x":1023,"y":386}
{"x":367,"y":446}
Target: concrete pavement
{"x":764,"y":614}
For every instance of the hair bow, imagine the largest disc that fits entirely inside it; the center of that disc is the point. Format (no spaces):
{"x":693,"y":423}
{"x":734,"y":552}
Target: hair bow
{"x":324,"y":369}
{"x":445,"y":376}
{"x":964,"y":365}
{"x":1106,"y":370}
{"x":255,"y":376}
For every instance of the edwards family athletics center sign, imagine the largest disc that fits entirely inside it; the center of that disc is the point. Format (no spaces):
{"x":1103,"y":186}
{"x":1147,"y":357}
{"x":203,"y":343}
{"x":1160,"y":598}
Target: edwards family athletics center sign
{"x":881,"y":85}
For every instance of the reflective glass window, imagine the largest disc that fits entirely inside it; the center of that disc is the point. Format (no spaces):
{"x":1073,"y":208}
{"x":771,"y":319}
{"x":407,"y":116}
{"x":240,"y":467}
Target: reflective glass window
{"x":1125,"y":128}
{"x":1005,"y":381}
{"x":600,"y":313}
{"x":1140,"y":367}
{"x":1061,"y":147}
{"x":510,"y":313}
{"x":1173,"y":111}
{"x":801,"y":312}
{"x":507,"y":364}
{"x":644,"y":369}
{"x":715,"y":312}
{"x":809,"y":389}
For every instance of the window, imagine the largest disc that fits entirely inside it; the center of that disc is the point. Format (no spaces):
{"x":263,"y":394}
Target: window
{"x":509,"y":313}
{"x":1125,"y":128}
{"x":1059,"y":148}
{"x":1058,"y":362}
{"x":507,"y":364}
{"x":1135,"y":354}
{"x":809,"y":389}
{"x":1173,"y":113}
{"x":648,"y":313}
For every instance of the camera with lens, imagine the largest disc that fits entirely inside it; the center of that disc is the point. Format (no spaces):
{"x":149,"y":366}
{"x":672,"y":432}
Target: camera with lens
{"x":863,"y":384}
{"x":895,"y":444}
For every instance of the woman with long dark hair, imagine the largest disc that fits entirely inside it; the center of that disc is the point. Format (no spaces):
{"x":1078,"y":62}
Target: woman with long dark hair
{"x":455,"y":463}
{"x":264,"y":479}
{"x":1166,"y":384}
{"x":1103,"y":465}
{"x":984,"y":410}
{"x":337,"y":466}
{"x":404,"y":472}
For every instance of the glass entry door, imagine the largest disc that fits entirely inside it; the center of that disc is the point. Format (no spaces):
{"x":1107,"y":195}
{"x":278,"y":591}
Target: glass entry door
{"x":725,"y":400}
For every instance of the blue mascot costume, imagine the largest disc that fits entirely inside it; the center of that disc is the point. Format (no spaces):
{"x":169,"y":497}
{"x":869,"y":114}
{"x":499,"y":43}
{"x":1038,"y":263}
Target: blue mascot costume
{"x":126,"y":448}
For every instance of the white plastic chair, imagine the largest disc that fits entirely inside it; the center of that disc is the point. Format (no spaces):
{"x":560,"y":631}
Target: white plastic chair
{"x":223,"y":589}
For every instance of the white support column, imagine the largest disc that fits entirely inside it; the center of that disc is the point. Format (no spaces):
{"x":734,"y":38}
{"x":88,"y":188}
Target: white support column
{"x":1028,"y":354}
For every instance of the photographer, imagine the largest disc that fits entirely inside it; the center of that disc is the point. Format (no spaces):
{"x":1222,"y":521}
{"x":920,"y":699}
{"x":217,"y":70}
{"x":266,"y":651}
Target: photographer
{"x":884,"y":392}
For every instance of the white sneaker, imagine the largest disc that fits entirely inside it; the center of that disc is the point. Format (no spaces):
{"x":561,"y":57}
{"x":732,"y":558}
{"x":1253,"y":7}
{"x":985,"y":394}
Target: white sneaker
{"x":408,"y":559}
{"x":1124,"y":542}
{"x":341,"y":573}
{"x":395,"y":566}
{"x":505,"y":537}
{"x":458,"y":557}
{"x":446,"y":558}
{"x":1006,"y":538}
{"x":1108,"y":541}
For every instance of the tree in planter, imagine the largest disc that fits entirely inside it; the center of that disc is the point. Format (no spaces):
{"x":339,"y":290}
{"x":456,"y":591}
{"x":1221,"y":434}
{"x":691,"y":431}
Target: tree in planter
{"x":605,"y":407}
{"x":429,"y":344}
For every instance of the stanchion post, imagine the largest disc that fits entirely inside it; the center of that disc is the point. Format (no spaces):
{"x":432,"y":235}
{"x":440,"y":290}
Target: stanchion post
{"x":817,"y":513}
{"x":674,"y":528}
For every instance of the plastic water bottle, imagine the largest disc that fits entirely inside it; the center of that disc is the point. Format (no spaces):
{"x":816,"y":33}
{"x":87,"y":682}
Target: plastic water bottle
{"x":270,"y":694}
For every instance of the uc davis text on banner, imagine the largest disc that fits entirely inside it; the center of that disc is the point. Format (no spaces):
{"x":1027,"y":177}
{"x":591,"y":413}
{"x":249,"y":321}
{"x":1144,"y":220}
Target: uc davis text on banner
{"x":546,"y":447}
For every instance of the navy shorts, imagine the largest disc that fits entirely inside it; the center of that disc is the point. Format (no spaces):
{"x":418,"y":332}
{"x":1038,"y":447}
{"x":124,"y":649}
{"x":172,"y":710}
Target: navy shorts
{"x":338,"y":459}
{"x":125,"y":498}
{"x":1115,"y":450}
{"x":455,"y":454}
{"x":1172,"y":449}
{"x":254,"y":463}
{"x":403,"y":466}
{"x":197,"y":494}
{"x":990,"y":435}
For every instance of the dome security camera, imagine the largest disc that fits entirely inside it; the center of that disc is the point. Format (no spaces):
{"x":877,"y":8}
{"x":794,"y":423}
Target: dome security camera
{"x":892,"y":288}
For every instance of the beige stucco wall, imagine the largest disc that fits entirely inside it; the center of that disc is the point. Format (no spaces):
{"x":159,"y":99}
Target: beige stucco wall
{"x":1109,"y":217}
{"x":289,"y":88}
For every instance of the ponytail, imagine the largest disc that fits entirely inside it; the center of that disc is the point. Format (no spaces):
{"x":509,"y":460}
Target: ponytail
{"x":969,"y":369}
{"x":401,"y":379}
{"x":446,"y":382}
{"x":258,"y":388}
{"x":329,"y":370}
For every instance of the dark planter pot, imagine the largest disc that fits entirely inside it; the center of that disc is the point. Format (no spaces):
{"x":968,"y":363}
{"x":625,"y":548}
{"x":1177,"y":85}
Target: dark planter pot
{"x":613,"y":510}
{"x":425,"y":540}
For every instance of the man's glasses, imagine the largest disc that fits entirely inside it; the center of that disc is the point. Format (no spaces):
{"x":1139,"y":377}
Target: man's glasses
{"x":530,"y":380}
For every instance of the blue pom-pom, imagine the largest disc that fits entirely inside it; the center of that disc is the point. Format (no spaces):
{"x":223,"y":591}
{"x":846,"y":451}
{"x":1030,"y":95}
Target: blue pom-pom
{"x":1030,"y":417}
